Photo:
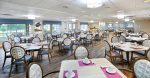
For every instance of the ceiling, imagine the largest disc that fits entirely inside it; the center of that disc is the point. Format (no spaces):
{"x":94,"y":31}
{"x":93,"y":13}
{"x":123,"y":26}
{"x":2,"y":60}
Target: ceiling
{"x":68,"y":9}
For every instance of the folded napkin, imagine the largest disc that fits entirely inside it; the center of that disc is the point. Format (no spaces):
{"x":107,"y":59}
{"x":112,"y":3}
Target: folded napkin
{"x":108,"y":75}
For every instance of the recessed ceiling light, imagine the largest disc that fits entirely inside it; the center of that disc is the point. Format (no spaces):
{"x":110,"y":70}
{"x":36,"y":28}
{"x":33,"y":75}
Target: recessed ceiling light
{"x":146,"y":1}
{"x":73,"y":20}
{"x":31,"y":16}
{"x":120,"y":16}
{"x":116,"y":22}
{"x":91,"y":21}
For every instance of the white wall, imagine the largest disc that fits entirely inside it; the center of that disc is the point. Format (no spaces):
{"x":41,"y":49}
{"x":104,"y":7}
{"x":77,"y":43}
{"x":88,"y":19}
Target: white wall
{"x":142,"y":25}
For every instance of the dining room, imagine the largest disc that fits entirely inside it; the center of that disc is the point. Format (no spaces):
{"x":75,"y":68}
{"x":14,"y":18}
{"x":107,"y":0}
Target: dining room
{"x":74,"y":39}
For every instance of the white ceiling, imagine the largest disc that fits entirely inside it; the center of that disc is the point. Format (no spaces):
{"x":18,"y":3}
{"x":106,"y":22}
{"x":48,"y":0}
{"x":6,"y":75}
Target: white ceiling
{"x":67,"y":9}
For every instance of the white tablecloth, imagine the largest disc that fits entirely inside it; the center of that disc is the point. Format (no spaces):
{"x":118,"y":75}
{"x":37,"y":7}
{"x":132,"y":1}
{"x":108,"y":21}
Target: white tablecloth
{"x":93,"y":71}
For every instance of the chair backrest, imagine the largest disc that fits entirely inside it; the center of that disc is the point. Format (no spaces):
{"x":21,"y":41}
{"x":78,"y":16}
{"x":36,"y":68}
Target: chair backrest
{"x":6,"y":46}
{"x":89,"y":37}
{"x":145,"y":35}
{"x":67,"y":41}
{"x":122,"y":38}
{"x":17,"y":39}
{"x":12,"y":36}
{"x":141,"y":32}
{"x":81,"y":52}
{"x":34,"y":71}
{"x":64,"y":36}
{"x":17,"y":52}
{"x":146,"y":43}
{"x":82,"y":35}
{"x":148,"y":54}
{"x":114,"y":39}
{"x":107,"y":46}
{"x":36,"y":40}
{"x":142,"y":68}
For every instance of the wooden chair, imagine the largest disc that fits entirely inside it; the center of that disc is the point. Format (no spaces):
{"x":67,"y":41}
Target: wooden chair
{"x":144,"y":43}
{"x":18,"y":57}
{"x":35,"y":71}
{"x":112,"y":53}
{"x":46,"y":52}
{"x":81,"y":52}
{"x":36,"y":40}
{"x":145,"y":35}
{"x":67,"y":44}
{"x":64,"y":36}
{"x":88,"y":40}
{"x":140,"y":67}
{"x":122,"y":38}
{"x":114,"y":39}
{"x":6,"y":47}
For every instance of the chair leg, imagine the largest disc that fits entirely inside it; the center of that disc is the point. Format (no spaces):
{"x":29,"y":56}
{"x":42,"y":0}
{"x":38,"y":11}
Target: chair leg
{"x":4,"y":63}
{"x":49,"y":58}
{"x":10,"y":69}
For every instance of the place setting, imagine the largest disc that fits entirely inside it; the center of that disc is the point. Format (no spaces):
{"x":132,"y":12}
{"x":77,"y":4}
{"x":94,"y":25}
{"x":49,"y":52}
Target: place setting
{"x":110,"y":72}
{"x":70,"y":74}
{"x":85,"y":62}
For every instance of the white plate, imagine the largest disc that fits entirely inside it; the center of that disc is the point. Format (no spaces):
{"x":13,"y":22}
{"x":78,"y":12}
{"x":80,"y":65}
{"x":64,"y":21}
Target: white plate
{"x":111,"y":70}
{"x":69,"y":74}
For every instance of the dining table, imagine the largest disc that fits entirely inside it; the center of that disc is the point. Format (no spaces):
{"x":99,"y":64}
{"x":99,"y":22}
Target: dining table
{"x":129,"y":48}
{"x":135,"y":34}
{"x":96,"y":69}
{"x":135,"y":39}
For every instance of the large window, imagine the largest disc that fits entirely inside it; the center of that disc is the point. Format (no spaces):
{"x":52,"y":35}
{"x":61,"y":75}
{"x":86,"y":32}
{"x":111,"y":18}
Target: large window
{"x":56,"y":29}
{"x":70,"y":27}
{"x":84,"y":27}
{"x":7,"y":29}
{"x":47,"y":28}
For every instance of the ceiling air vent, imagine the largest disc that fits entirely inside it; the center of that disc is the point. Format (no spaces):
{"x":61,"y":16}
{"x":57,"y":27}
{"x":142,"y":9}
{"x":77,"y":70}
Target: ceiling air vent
{"x":7,"y":14}
{"x":65,"y":6}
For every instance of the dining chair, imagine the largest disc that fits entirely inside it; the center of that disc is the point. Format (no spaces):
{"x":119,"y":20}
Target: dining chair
{"x":17,"y":39}
{"x":67,"y":44}
{"x":18,"y":57}
{"x":140,"y":67}
{"x":35,"y":70}
{"x":64,"y":36}
{"x":122,"y":38}
{"x":114,"y":39}
{"x":111,"y":53}
{"x":145,"y":35}
{"x":44,"y":51}
{"x":144,"y":43}
{"x":81,"y":52}
{"x":88,"y":40}
{"x":6,"y":47}
{"x":97,"y":38}
{"x":36,"y":40}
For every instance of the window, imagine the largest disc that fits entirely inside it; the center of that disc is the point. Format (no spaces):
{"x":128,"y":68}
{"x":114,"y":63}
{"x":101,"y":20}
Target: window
{"x":56,"y":29}
{"x":84,"y":27}
{"x":47,"y":28}
{"x":7,"y":29}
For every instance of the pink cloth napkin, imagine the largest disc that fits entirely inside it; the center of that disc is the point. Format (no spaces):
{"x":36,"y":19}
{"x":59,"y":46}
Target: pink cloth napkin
{"x":82,"y":64}
{"x":75,"y":71}
{"x":115,"y":75}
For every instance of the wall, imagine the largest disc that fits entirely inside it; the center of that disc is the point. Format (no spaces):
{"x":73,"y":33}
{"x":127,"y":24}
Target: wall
{"x":142,"y":25}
